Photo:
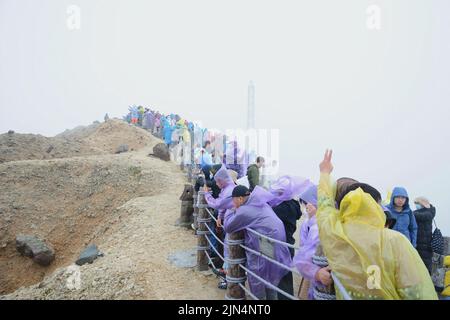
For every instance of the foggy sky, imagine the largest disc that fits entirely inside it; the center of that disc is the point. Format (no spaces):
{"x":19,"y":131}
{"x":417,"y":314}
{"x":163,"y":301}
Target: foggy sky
{"x":378,"y":98}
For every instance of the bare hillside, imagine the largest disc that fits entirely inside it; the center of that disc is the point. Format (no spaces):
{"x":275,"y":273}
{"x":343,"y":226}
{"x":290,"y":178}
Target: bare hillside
{"x":126,"y":204}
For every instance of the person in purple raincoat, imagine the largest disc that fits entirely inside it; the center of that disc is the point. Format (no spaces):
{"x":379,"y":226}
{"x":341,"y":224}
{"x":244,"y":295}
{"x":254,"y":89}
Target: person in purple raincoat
{"x":222,"y":203}
{"x":150,"y":120}
{"x":252,"y":211}
{"x":309,"y":239}
{"x":285,"y":204}
{"x":235,"y":158}
{"x":225,"y":182}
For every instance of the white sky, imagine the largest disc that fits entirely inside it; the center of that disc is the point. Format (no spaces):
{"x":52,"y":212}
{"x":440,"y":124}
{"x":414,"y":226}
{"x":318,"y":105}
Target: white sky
{"x":378,"y":98}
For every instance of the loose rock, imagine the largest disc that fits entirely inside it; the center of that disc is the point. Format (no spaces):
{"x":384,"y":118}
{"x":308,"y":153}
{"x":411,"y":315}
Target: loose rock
{"x":88,"y":255}
{"x":35,"y":248}
{"x":161,"y":151}
{"x":122,"y":148}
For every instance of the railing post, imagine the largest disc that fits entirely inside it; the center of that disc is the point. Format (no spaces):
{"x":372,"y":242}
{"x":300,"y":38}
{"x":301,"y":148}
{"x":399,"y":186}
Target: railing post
{"x":187,"y":206}
{"x":202,"y":232}
{"x":195,"y":214}
{"x":191,"y":156}
{"x":235,"y":274}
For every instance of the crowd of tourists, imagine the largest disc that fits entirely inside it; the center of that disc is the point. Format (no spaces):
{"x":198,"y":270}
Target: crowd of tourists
{"x":377,"y":248}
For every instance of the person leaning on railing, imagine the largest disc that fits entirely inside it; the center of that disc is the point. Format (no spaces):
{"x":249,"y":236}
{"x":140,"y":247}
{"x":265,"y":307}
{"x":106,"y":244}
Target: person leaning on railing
{"x":371,"y":261}
{"x":222,"y":203}
{"x":252,"y":211}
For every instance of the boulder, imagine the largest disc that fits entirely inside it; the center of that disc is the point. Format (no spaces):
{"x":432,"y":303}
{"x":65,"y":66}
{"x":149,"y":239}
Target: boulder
{"x":161,"y":151}
{"x":122,"y":148}
{"x":88,"y":255}
{"x":11,"y":132}
{"x":35,"y":248}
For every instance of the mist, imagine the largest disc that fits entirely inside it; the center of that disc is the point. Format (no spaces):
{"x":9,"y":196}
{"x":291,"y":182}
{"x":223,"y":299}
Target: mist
{"x":378,"y":97}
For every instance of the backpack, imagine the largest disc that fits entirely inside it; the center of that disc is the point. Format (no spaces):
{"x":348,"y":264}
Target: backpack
{"x":437,"y":240}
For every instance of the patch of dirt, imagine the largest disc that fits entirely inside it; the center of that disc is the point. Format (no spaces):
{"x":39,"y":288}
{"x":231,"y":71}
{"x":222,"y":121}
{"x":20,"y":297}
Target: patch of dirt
{"x":95,"y":139}
{"x":109,"y":135}
{"x":127,"y":204}
{"x":18,"y":146}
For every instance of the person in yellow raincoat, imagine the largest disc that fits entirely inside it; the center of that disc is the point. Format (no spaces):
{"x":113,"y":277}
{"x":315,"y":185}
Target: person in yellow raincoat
{"x":184,"y":132}
{"x":371,"y":262}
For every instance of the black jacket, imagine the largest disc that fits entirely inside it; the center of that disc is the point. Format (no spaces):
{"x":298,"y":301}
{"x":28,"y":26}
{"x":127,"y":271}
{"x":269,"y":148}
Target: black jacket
{"x":200,"y":182}
{"x":289,"y":212}
{"x":424,"y":218}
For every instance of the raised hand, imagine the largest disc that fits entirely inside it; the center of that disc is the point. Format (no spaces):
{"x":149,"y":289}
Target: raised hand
{"x":326,"y":166}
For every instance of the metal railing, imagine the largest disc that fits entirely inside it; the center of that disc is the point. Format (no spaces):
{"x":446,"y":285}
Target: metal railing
{"x":203,"y":230}
{"x":204,"y":217}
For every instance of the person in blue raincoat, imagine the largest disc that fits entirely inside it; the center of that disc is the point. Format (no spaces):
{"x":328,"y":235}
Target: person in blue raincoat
{"x":252,"y":211}
{"x":167,"y":131}
{"x":401,"y":211}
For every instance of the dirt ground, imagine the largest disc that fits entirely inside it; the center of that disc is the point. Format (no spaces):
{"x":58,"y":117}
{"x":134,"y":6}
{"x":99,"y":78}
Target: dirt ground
{"x":126,"y":204}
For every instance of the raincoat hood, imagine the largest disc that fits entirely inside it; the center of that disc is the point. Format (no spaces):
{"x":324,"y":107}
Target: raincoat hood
{"x":287,"y":188}
{"x":399,"y":192}
{"x":259,"y":197}
{"x":224,"y":176}
{"x":358,"y":206}
{"x":310,"y":195}
{"x":181,"y":123}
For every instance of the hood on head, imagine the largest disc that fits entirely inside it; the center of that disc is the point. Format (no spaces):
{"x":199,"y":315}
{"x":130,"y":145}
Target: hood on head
{"x":310,"y":195}
{"x":259,"y":197}
{"x":399,"y":192}
{"x":224,"y":176}
{"x":358,"y":206}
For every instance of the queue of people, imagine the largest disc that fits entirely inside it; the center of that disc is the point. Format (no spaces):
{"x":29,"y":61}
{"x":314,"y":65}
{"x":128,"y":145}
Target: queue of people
{"x":371,"y":248}
{"x":376,"y":251}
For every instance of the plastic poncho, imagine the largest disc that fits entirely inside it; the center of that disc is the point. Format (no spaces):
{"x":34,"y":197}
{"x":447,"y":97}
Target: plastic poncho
{"x":134,"y":112}
{"x":309,"y":239}
{"x":198,"y":135}
{"x":259,"y":216}
{"x":167,"y":131}
{"x":184,"y":131}
{"x":287,"y":188}
{"x":309,"y":194}
{"x":235,"y":159}
{"x":224,"y":201}
{"x":388,"y":198}
{"x":372,"y":262}
{"x":405,"y":220}
{"x":149,"y":120}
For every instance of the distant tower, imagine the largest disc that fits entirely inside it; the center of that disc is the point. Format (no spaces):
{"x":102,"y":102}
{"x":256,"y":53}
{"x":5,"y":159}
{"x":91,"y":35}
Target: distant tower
{"x":251,"y":106}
